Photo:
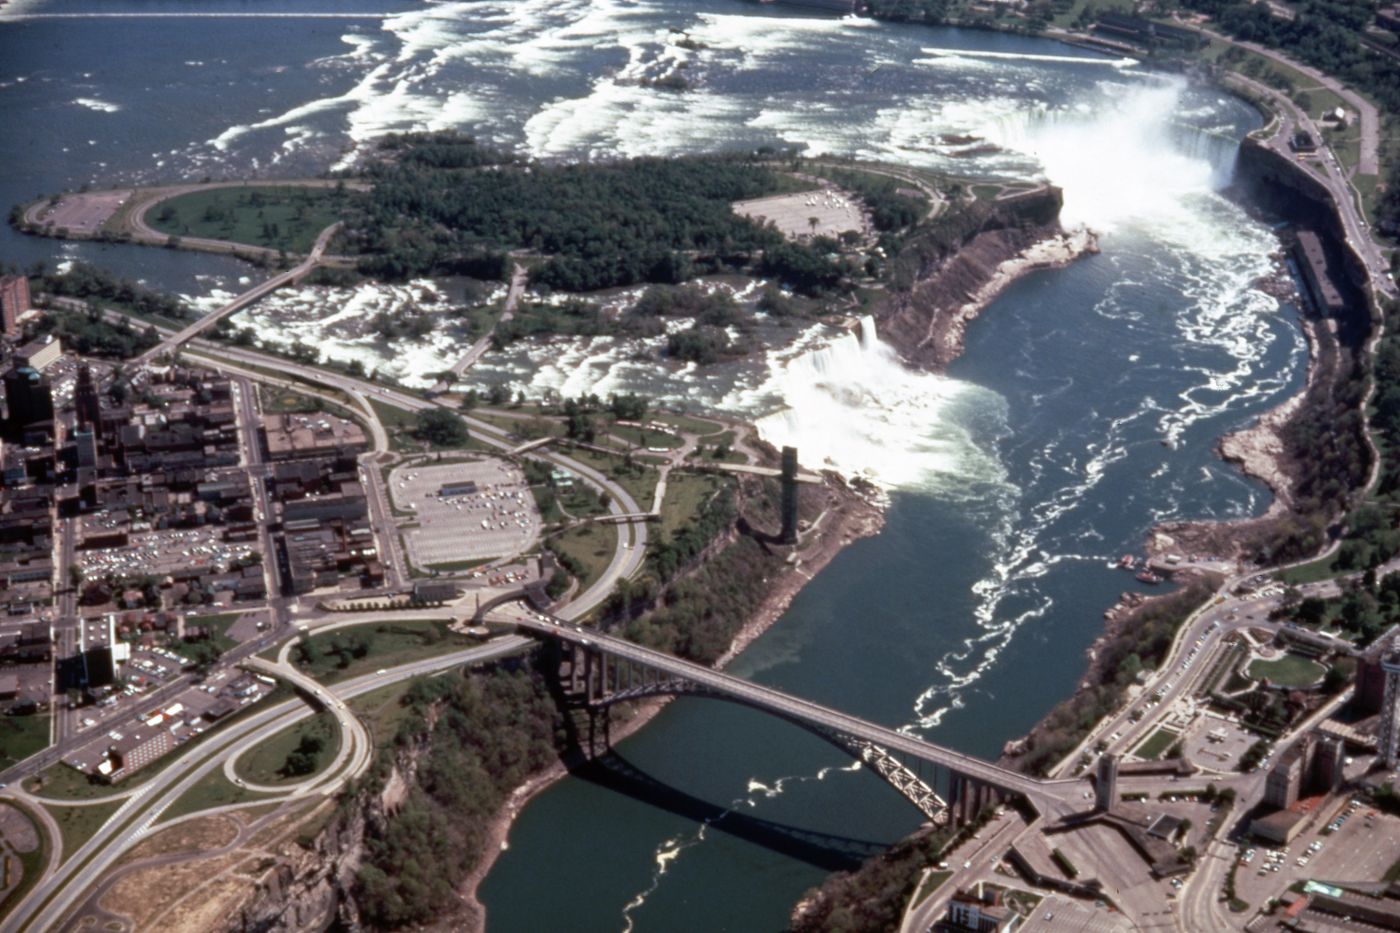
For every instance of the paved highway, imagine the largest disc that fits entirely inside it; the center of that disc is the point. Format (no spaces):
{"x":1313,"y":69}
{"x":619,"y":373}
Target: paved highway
{"x":47,"y":903}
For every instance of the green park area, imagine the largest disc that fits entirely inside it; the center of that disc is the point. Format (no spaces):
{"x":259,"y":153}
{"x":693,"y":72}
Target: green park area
{"x":362,"y":649}
{"x":1288,"y":671}
{"x":30,"y":864}
{"x":280,"y":217}
{"x":586,"y":550}
{"x":1157,"y":744}
{"x":22,"y":736}
{"x":77,"y":824}
{"x":302,"y":749}
{"x":687,"y":494}
{"x":212,"y":790}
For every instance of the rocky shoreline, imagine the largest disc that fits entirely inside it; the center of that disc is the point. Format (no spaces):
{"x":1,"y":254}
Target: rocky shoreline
{"x":946,"y":331}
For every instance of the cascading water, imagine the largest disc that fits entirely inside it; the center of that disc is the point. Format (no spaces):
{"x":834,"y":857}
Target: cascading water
{"x":853,"y":406}
{"x":1128,"y":154}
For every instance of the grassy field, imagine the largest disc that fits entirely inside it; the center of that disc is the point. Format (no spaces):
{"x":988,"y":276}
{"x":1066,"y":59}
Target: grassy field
{"x":640,"y":485}
{"x":382,"y":710}
{"x":1157,"y":744}
{"x":384,"y":644}
{"x":688,"y":424}
{"x":218,"y":626}
{"x":400,"y":425}
{"x":31,"y":863}
{"x":276,"y":217}
{"x":645,"y":437}
{"x":932,"y":883}
{"x":1288,"y":671}
{"x":457,"y":566}
{"x":1324,"y":569}
{"x":264,"y":763}
{"x":686,"y":495}
{"x":77,"y":824}
{"x":591,"y":545}
{"x":212,"y":790}
{"x":22,"y":736}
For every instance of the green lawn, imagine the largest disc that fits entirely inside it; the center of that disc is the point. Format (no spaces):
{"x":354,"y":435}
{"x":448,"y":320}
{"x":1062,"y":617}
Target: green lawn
{"x":645,"y":437}
{"x":212,"y":790}
{"x":382,"y":711}
{"x":22,"y":736}
{"x":31,"y":863}
{"x":1288,"y":671}
{"x":1393,"y":872}
{"x":218,"y":625}
{"x":1157,"y":744}
{"x":592,"y":546}
{"x":686,"y":495}
{"x":277,"y":217}
{"x":265,"y":763}
{"x":77,"y":824}
{"x":688,"y":424}
{"x":640,"y":482}
{"x":932,"y":883}
{"x":457,"y":566}
{"x":362,"y":649}
{"x":1324,"y":569}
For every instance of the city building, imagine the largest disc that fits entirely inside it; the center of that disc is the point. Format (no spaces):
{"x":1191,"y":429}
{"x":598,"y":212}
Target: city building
{"x":14,"y":301}
{"x":1311,"y":258}
{"x":29,"y":405}
{"x":291,"y":436}
{"x":979,"y":911}
{"x":39,"y":353}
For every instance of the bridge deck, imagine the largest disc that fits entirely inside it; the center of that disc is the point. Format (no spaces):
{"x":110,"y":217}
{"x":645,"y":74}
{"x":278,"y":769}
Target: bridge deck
{"x":1055,"y":793}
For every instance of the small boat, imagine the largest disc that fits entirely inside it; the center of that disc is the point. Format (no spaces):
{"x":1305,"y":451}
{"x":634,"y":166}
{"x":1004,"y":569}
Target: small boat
{"x":1127,"y":561}
{"x":1148,"y":576}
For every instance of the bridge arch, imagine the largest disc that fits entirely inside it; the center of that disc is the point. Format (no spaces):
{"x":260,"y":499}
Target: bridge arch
{"x":876,"y":758}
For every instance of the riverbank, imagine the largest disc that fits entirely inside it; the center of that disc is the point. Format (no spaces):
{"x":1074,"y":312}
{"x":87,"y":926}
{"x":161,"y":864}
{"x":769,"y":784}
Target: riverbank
{"x":844,"y":515}
{"x":960,"y":269}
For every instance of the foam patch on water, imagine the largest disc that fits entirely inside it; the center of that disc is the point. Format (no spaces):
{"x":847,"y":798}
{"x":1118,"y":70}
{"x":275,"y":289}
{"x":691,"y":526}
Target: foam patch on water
{"x":670,"y":850}
{"x":101,"y":106}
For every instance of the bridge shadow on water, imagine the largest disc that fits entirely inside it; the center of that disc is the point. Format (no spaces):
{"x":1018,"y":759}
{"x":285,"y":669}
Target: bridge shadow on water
{"x":825,"y":851}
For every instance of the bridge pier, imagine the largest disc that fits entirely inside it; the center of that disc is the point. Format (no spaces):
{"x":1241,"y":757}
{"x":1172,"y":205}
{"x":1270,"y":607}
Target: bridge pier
{"x":967,"y":798}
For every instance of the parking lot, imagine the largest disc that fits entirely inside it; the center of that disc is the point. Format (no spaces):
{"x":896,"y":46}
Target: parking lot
{"x":1362,"y":849}
{"x":157,"y":552}
{"x":465,"y":512}
{"x":1216,"y":742}
{"x":834,"y":211}
{"x":84,"y":214}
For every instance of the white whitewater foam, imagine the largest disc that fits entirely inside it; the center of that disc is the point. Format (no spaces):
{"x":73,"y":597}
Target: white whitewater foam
{"x":1030,"y":57}
{"x":852,"y":405}
{"x":101,"y":106}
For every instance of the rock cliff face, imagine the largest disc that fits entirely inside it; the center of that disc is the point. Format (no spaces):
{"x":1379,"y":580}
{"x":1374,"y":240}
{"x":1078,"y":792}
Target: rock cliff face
{"x":958,"y":266}
{"x":309,"y":889}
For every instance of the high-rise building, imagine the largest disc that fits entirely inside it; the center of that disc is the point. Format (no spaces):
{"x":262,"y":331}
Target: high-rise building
{"x":1285,"y":778}
{"x":1388,"y":738}
{"x":789,"y":501}
{"x":14,"y":301}
{"x":86,"y":400}
{"x":29,"y":401}
{"x":1106,"y":783}
{"x":1329,"y":756}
